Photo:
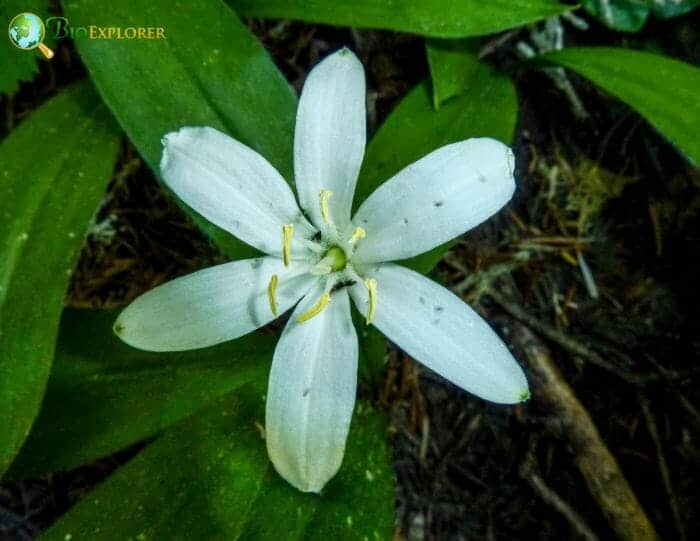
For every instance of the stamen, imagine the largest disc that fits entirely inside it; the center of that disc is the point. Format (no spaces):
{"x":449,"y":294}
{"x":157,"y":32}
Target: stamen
{"x":287,"y":231}
{"x":358,"y":234}
{"x":371,"y":285}
{"x":271,"y":294}
{"x":324,"y":196}
{"x":316,"y":309}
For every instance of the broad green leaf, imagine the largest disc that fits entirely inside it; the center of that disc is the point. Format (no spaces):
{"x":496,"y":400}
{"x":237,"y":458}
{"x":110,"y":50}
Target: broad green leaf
{"x":19,"y":65}
{"x":488,"y":108}
{"x":209,"y":71}
{"x":631,"y":15}
{"x":453,"y":63}
{"x":210,"y":478}
{"x":103,"y":395}
{"x":372,"y":361}
{"x":622,"y":15}
{"x":437,"y":18}
{"x":667,"y":9}
{"x":663,"y":90}
{"x":53,"y":171}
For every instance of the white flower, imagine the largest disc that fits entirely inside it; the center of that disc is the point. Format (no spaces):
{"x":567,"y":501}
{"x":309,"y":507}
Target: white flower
{"x":319,"y":257}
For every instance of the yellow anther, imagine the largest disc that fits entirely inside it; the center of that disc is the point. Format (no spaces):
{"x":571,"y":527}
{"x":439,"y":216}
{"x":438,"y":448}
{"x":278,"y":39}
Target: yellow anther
{"x":272,"y":294}
{"x":371,"y":285}
{"x":324,"y":196}
{"x":287,"y":231}
{"x":316,"y":309}
{"x":358,"y":234}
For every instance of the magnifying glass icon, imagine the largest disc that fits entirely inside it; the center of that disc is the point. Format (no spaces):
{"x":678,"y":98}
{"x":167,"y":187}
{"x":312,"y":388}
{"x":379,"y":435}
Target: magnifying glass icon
{"x":27,"y":32}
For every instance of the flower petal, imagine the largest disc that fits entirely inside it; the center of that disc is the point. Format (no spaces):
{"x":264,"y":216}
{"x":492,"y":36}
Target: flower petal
{"x":233,"y":187}
{"x":211,"y":305}
{"x":330,"y":136}
{"x":311,"y":393}
{"x":437,"y":328}
{"x":435,"y":199}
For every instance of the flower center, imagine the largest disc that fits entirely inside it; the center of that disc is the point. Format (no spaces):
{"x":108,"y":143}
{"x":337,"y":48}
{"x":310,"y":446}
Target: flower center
{"x":334,"y":260}
{"x":336,"y":255}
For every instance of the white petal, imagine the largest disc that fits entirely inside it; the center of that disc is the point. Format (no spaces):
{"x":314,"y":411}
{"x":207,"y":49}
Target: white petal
{"x":212,"y":305}
{"x":435,"y":199}
{"x":233,"y":187}
{"x":437,"y":328}
{"x":330,"y":136}
{"x":311,"y":393}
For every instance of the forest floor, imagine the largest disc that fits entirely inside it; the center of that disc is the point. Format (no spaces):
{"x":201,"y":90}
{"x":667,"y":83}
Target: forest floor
{"x":590,"y":275}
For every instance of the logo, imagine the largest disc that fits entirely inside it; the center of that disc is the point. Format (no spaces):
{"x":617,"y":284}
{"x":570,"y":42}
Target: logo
{"x":27,"y":32}
{"x":60,"y":28}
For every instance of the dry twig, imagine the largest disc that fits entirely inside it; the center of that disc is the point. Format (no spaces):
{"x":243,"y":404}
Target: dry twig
{"x":597,"y":465}
{"x":570,"y":344}
{"x":529,"y":472}
{"x":663,"y":467}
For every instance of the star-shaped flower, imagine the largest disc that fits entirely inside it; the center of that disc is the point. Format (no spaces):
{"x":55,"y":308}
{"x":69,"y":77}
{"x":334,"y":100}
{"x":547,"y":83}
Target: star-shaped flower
{"x":319,"y":257}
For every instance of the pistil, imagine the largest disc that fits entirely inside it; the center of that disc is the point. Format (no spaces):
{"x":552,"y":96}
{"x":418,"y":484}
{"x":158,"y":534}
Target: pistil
{"x":334,"y":261}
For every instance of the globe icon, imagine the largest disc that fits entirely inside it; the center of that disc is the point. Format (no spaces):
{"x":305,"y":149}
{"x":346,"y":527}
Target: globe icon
{"x":27,"y":32}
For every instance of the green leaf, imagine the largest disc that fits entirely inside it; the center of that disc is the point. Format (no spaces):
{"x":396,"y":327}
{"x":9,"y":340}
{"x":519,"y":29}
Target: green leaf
{"x":437,"y":18}
{"x":667,"y":9}
{"x":209,"y":71}
{"x":210,"y":478}
{"x":103,"y":395}
{"x":18,"y":65}
{"x":487,"y":108}
{"x":372,"y":355}
{"x":53,"y":171}
{"x":453,"y":63}
{"x":663,"y":90}
{"x":631,"y":15}
{"x":622,"y":15}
